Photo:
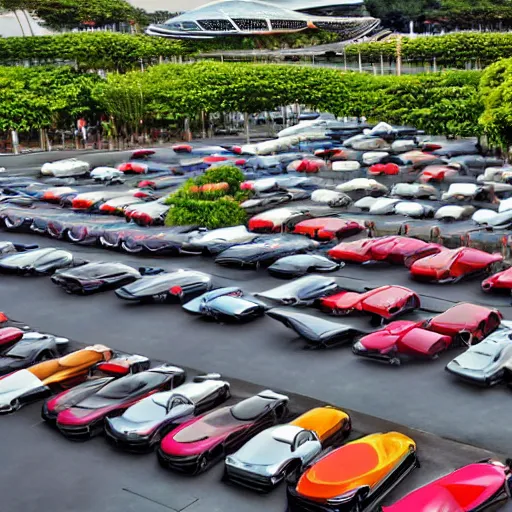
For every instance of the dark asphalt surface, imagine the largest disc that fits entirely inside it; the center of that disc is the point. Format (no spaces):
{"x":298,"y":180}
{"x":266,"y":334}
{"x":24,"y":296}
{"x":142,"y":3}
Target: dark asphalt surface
{"x":43,"y":471}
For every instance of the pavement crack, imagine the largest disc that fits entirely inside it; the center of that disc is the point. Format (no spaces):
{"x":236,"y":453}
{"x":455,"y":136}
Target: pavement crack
{"x":153,"y":501}
{"x":189,"y":505}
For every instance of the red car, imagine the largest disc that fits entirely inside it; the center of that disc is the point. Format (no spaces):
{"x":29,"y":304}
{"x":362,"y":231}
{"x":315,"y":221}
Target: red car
{"x":386,"y":169}
{"x":467,"y":323}
{"x":469,"y":489}
{"x":385,"y":302}
{"x":327,"y":228}
{"x":9,"y":336}
{"x":398,"y":250}
{"x":452,"y":265}
{"x":133,"y":168}
{"x":401,"y":338}
{"x":437,"y":173}
{"x":500,"y":281}
{"x":201,"y":442}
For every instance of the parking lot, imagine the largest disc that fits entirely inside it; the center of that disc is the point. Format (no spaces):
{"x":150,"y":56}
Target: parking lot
{"x":453,"y":423}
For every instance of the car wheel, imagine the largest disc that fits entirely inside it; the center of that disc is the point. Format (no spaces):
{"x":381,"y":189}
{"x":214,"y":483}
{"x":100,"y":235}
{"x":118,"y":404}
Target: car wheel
{"x":105,"y":243}
{"x":45,"y":356}
{"x":395,"y":361}
{"x":13,"y":224}
{"x":74,"y":238}
{"x":202,"y":464}
{"x":132,"y":250}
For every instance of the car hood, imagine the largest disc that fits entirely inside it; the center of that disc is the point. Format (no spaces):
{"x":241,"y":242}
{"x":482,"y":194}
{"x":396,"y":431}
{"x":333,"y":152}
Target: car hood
{"x":16,"y":384}
{"x":35,"y":257}
{"x":472,"y":360}
{"x":163,"y":282}
{"x":97,"y":270}
{"x":264,"y":450}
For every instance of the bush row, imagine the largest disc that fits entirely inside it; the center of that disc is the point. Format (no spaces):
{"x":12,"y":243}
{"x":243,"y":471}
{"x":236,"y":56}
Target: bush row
{"x":454,"y":49}
{"x":90,"y":50}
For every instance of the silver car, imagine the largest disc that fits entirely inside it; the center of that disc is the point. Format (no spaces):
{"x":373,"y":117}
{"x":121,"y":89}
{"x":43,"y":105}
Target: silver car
{"x":488,"y":362}
{"x":268,"y":458}
{"x":145,"y":423}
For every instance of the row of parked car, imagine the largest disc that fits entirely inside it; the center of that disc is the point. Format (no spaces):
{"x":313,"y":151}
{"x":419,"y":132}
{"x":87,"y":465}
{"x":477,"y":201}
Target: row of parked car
{"x":195,"y":424}
{"x":397,"y":330}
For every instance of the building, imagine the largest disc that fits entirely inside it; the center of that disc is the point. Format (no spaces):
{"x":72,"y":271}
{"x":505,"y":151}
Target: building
{"x":252,"y":17}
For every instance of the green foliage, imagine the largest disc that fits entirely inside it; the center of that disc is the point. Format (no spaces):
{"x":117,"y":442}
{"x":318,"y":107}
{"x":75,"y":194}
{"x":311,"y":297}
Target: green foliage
{"x":90,"y":50}
{"x":496,"y":94}
{"x":451,"y":50}
{"x":32,"y":98}
{"x":231,"y":175}
{"x":60,"y":14}
{"x":267,"y":42}
{"x":210,"y":214}
{"x":214,"y":209}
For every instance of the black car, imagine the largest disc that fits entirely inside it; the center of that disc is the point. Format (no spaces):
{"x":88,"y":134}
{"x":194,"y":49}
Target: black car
{"x":266,"y":250}
{"x":318,"y":332}
{"x":33,"y":348}
{"x":226,"y":304}
{"x":99,"y":276}
{"x":38,"y":261}
{"x":179,"y":286}
{"x":299,"y":265}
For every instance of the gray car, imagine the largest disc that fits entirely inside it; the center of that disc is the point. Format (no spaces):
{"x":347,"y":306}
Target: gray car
{"x":301,"y":292}
{"x":145,"y":423}
{"x":268,"y":458}
{"x":488,"y":362}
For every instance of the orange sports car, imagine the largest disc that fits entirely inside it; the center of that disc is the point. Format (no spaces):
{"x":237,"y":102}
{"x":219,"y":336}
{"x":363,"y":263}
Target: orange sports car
{"x":355,"y":476}
{"x":40,"y":380}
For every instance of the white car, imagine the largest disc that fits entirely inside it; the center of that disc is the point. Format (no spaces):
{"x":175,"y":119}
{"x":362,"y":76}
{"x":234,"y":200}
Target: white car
{"x":454,"y":212}
{"x":107,"y":174}
{"x":65,"y":168}
{"x":144,"y":423}
{"x":152,"y":212}
{"x":362,"y":184}
{"x":330,"y":197}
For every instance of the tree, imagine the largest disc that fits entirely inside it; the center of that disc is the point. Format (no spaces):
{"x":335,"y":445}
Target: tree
{"x":61,"y":14}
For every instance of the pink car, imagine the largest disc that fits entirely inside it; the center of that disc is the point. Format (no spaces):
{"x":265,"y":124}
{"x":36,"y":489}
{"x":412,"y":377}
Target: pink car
{"x":400,"y":339}
{"x":198,"y":444}
{"x":469,"y":489}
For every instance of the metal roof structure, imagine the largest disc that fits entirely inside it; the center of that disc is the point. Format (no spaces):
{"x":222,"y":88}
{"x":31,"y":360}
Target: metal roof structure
{"x":253,"y":17}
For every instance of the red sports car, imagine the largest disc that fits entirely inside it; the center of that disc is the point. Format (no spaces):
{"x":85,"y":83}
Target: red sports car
{"x":327,"y":228}
{"x":201,"y":442}
{"x":401,"y":339}
{"x":398,"y":250}
{"x":500,"y":281}
{"x":385,"y":302}
{"x":452,"y":265}
{"x":9,"y":336}
{"x":386,"y":169}
{"x":468,"y":489}
{"x":466,"y":323}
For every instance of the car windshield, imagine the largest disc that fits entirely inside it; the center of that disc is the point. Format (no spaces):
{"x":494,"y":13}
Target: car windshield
{"x":21,"y":350}
{"x":129,"y":385}
{"x":250,"y":408}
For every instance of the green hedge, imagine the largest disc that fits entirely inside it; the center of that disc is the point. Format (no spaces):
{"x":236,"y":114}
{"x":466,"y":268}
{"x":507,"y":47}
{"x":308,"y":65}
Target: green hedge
{"x":39,"y":97}
{"x":452,"y":49}
{"x":209,"y":214}
{"x":90,"y":50}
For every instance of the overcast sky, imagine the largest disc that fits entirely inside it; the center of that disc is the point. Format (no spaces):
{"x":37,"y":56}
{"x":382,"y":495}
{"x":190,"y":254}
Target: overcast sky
{"x":168,"y":5}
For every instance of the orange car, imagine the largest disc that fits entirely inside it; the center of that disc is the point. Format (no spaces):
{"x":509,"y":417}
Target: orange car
{"x":355,"y":476}
{"x":38,"y":381}
{"x":327,"y":423}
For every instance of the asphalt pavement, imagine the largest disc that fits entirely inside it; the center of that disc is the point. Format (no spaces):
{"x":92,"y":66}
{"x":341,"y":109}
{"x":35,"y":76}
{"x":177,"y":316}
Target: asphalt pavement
{"x":43,"y":471}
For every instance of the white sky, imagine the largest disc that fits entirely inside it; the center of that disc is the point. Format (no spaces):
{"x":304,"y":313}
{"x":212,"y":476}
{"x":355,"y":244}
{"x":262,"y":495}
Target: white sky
{"x":168,"y":5}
